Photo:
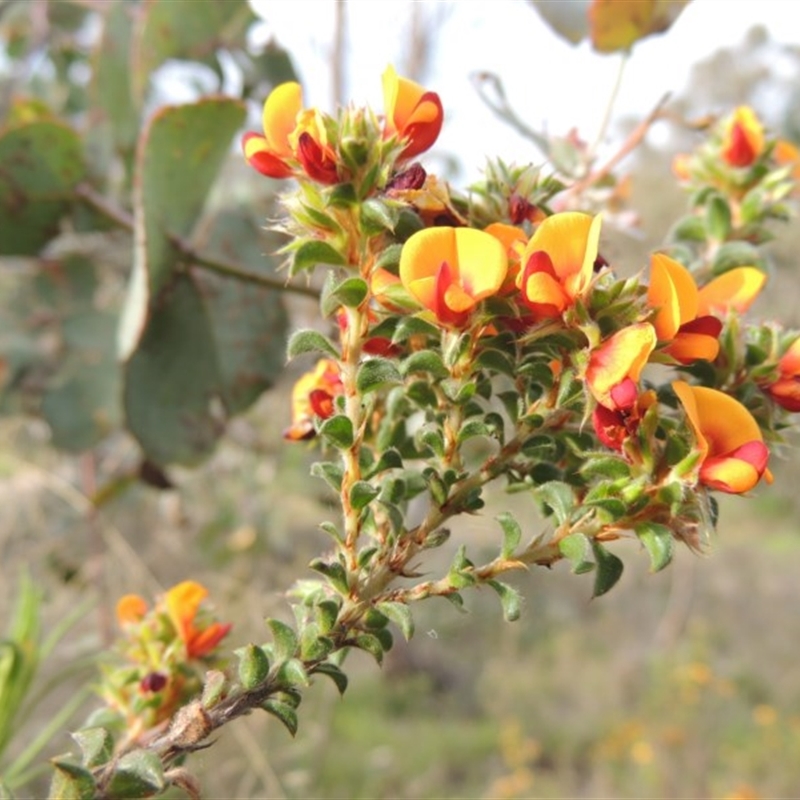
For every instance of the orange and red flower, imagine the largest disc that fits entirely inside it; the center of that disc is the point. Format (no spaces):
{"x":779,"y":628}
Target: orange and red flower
{"x":615,"y":366}
{"x":674,"y":293}
{"x":313,"y":395}
{"x":785,"y":391}
{"x":183,"y":603}
{"x":733,"y":456}
{"x":450,"y":270}
{"x":413,"y":114}
{"x":742,"y":138}
{"x":293,"y":137}
{"x":558,"y":263}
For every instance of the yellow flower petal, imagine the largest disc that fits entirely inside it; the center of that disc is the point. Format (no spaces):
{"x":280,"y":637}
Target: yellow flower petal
{"x":673,"y":292}
{"x":735,"y":290}
{"x":279,"y":118}
{"x":621,"y":356}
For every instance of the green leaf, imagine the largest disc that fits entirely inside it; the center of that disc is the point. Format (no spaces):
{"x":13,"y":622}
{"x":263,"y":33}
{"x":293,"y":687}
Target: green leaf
{"x":171,"y":380}
{"x":248,"y":322}
{"x":512,"y":534}
{"x":376,"y":373}
{"x":559,"y":497}
{"x":736,"y":254}
{"x":111,"y":86}
{"x":389,"y":459}
{"x":139,"y":773}
{"x":401,"y":615}
{"x":71,"y":782}
{"x":186,"y":30}
{"x":334,"y":673}
{"x":96,"y":744}
{"x":609,"y":569}
{"x":41,"y":163}
{"x":424,"y":361}
{"x":331,"y":473}
{"x":362,"y":493}
{"x":376,"y":217}
{"x":333,"y":571}
{"x":314,"y":647}
{"x":659,"y":543}
{"x":371,"y":644}
{"x":577,"y":549}
{"x":179,"y":155}
{"x":338,"y":430}
{"x":327,"y":612}
{"x":510,"y":600}
{"x":311,"y":253}
{"x":350,"y":292}
{"x":253,"y":666}
{"x":284,"y":639}
{"x":472,"y":428}
{"x":609,"y":467}
{"x":308,"y":341}
{"x":284,"y":712}
{"x":690,"y":228}
{"x":718,"y":218}
{"x":81,"y":404}
{"x":293,"y":673}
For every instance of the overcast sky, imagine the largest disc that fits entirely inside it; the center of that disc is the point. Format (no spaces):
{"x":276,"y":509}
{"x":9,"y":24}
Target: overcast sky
{"x":550,"y":82}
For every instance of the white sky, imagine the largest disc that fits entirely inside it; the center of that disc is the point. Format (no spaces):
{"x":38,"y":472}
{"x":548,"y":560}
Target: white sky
{"x":549,"y":82}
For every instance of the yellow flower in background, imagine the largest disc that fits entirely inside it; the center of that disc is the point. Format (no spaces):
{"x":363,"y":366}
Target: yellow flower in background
{"x":450,"y":270}
{"x":413,"y":113}
{"x":731,"y":446}
{"x":558,"y":263}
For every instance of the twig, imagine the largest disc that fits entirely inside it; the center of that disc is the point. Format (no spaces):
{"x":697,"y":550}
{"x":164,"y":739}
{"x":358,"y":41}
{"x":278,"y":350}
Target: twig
{"x":631,"y":143}
{"x":221,"y":266}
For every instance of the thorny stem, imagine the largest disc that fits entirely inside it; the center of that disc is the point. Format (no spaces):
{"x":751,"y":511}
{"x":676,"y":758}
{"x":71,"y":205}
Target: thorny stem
{"x":222,"y":266}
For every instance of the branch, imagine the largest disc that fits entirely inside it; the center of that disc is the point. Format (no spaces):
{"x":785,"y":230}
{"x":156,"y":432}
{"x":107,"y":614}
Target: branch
{"x":222,"y":266}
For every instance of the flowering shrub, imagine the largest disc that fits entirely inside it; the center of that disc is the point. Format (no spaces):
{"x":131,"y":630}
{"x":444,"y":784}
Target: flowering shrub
{"x":466,"y":340}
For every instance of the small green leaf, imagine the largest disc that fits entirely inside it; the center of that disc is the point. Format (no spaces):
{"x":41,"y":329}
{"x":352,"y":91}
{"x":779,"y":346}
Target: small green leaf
{"x":338,"y":430}
{"x":718,"y":218}
{"x":253,"y":666}
{"x":333,"y":571}
{"x":139,"y":773}
{"x":377,"y":216}
{"x":400,"y":614}
{"x":314,"y":647}
{"x":312,"y":252}
{"x":389,"y":459}
{"x":284,"y":712}
{"x":284,"y":639}
{"x":414,"y":326}
{"x":213,"y":688}
{"x":96,"y":744}
{"x":308,"y":341}
{"x":509,"y":599}
{"x":71,"y":782}
{"x":389,"y":257}
{"x":736,"y":254}
{"x":425,"y":361}
{"x":362,"y":494}
{"x":327,"y":612}
{"x":688,"y":229}
{"x":609,"y":569}
{"x":334,"y":673}
{"x":472,"y":428}
{"x":659,"y":543}
{"x":430,"y":435}
{"x":559,"y":497}
{"x":376,"y":373}
{"x":350,"y":292}
{"x":512,"y":533}
{"x":609,"y":467}
{"x":371,"y":644}
{"x":292,"y":673}
{"x":333,"y":475}
{"x":577,"y":549}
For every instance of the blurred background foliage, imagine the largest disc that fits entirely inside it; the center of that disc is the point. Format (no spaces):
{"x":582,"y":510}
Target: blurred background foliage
{"x":125,"y":210}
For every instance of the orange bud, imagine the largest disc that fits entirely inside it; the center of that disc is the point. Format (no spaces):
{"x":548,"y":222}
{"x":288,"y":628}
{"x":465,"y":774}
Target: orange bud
{"x":743,"y":137}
